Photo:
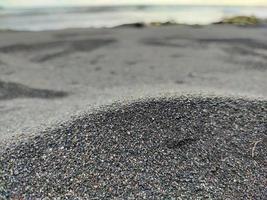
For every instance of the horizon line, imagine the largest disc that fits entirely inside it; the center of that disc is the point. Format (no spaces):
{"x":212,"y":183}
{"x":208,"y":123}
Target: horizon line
{"x":124,"y":4}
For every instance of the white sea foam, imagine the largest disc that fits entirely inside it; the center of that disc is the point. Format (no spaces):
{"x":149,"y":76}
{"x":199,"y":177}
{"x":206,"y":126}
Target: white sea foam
{"x":109,"y":16}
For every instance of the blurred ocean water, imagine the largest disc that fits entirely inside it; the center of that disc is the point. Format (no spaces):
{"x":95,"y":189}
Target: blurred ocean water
{"x":53,"y":18}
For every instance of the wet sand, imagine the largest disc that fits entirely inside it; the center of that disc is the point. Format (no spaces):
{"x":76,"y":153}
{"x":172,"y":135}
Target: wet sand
{"x":61,"y":138}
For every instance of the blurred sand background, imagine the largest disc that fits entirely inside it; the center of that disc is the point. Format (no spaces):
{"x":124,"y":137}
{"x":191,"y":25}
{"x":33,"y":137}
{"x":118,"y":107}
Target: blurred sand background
{"x":48,"y":77}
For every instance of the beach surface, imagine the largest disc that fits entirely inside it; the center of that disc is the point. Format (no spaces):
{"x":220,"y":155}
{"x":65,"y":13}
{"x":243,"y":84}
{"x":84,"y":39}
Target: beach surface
{"x":126,"y":113}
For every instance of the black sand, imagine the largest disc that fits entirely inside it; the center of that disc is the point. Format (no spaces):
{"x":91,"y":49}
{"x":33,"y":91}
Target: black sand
{"x":165,"y":148}
{"x":183,"y":147}
{"x":9,"y":90}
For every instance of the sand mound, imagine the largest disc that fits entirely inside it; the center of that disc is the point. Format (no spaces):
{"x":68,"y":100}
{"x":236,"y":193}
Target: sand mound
{"x":183,"y":147}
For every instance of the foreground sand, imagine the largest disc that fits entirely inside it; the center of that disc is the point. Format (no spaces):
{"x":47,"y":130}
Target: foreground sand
{"x":209,"y":144}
